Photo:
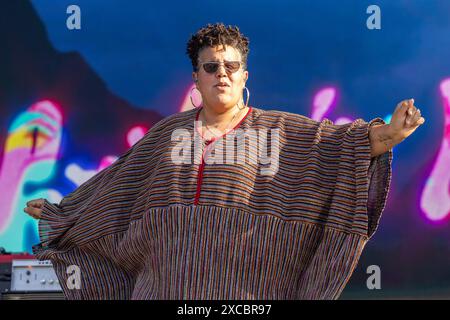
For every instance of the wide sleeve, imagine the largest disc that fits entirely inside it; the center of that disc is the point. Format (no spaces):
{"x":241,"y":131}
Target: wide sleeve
{"x":57,"y":219}
{"x":361,"y":183}
{"x":82,"y":234}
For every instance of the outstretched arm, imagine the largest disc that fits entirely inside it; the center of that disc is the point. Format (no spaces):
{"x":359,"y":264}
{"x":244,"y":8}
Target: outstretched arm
{"x":405,"y":120}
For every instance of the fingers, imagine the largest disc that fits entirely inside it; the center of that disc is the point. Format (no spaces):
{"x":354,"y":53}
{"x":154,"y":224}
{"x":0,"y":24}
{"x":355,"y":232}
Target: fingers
{"x":412,"y":116}
{"x":34,"y":208}
{"x":416,"y":115}
{"x":416,"y":119}
{"x":36,"y":203}
{"x":410,"y":108}
{"x":33,"y":212}
{"x":402,"y":106}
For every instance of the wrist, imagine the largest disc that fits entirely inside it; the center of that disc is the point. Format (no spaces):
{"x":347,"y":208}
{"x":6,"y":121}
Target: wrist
{"x":384,"y":134}
{"x":395,"y":136}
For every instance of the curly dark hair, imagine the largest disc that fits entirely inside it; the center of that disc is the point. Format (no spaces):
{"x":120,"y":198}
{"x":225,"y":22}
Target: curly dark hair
{"x":217,"y":34}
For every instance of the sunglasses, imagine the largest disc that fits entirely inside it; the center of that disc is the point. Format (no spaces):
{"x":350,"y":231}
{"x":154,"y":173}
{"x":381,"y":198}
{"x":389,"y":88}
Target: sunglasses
{"x":213,"y":66}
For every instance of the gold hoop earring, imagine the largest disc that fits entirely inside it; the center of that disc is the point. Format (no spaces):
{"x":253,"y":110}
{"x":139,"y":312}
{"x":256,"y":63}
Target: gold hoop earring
{"x":192,"y":100}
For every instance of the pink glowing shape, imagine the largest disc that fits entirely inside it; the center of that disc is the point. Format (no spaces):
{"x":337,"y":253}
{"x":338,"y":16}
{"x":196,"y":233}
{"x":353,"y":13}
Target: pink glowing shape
{"x":135,"y":134}
{"x":34,"y":138}
{"x":435,"y":198}
{"x":343,"y":120}
{"x":322,"y":103}
{"x":106,"y":162}
{"x":49,"y":109}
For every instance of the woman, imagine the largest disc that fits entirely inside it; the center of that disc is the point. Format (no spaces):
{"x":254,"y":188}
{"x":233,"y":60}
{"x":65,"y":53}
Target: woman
{"x":152,"y":227}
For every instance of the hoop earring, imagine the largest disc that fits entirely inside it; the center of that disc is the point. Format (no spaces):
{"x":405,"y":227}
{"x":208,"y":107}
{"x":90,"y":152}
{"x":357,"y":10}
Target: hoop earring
{"x":192,"y":100}
{"x":248,"y":97}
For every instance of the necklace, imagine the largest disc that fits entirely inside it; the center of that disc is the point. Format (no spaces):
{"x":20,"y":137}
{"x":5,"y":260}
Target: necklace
{"x":206,"y":124}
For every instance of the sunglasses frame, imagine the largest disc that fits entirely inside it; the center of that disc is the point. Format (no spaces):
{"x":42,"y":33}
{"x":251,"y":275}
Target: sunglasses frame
{"x":219,"y":63}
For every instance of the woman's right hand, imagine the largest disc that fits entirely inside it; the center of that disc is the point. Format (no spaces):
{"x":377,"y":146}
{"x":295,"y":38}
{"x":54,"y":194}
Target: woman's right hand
{"x":34,"y":208}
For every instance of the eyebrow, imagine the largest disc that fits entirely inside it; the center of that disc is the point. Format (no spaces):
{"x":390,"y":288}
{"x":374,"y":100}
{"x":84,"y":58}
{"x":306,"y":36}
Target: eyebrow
{"x":217,"y":61}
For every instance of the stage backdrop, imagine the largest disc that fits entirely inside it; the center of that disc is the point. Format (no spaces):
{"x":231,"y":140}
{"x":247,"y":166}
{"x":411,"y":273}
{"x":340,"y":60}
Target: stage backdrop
{"x":81,"y":81}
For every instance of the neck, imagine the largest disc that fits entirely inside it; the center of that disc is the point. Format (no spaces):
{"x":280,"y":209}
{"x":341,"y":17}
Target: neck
{"x":215,"y":124}
{"x":220,"y":120}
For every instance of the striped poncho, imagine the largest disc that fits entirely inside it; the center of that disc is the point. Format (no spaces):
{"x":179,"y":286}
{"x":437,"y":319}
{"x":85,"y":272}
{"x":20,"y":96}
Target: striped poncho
{"x":155,"y":226}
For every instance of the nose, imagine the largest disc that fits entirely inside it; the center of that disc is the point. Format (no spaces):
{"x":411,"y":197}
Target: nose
{"x":221,"y":71}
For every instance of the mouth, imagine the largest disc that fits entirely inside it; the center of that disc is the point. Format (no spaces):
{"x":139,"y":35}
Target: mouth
{"x":221,"y":85}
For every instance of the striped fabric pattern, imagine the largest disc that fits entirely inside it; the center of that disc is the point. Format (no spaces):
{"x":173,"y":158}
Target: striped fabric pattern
{"x":146,"y":228}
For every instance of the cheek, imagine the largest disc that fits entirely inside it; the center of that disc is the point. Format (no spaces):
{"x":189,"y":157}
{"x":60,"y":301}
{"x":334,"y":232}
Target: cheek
{"x":237,"y":86}
{"x":205,"y":84}
{"x":238,"y":81}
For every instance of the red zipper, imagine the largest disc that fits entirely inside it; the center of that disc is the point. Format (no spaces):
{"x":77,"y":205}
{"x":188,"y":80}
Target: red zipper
{"x":200,"y":173}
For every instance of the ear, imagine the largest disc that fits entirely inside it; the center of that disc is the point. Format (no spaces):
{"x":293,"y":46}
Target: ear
{"x":195,"y":77}
{"x":245,"y":76}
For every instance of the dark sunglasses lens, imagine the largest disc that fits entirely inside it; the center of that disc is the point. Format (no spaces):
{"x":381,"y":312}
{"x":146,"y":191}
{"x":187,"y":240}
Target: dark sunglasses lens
{"x":211,"y":67}
{"x":232,"y":66}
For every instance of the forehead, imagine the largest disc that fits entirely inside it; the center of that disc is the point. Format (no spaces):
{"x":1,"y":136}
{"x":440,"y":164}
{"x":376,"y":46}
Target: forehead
{"x":219,"y":53}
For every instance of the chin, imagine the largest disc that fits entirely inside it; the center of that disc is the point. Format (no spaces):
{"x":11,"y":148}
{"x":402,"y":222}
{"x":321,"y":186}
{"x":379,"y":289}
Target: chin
{"x":225,"y":102}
